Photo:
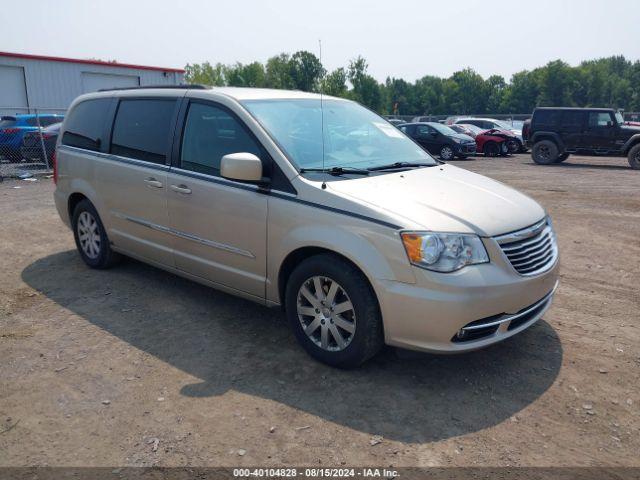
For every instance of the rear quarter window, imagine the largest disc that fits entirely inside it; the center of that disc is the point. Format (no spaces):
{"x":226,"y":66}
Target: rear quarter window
{"x":548,"y":118}
{"x":85,"y":124}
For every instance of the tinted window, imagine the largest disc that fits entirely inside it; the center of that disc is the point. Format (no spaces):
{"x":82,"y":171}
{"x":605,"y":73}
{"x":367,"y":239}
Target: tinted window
{"x":142,"y":129}
{"x":46,"y":121}
{"x":209,"y":134}
{"x":424,"y":130}
{"x":85,"y":124}
{"x":546,"y":117}
{"x":599,"y":119}
{"x":7,"y":122}
{"x":572,"y":119}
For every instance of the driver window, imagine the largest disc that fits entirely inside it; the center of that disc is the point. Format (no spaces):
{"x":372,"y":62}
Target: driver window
{"x":423,"y":130}
{"x":209,"y":134}
{"x":599,"y":119}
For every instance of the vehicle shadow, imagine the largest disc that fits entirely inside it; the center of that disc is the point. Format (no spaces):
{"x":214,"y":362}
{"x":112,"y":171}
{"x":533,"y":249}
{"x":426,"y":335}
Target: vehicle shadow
{"x":232,"y":344}
{"x":567,"y":164}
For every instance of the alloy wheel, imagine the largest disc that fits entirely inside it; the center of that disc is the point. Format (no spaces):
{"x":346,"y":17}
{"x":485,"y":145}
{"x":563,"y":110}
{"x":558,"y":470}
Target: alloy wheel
{"x":446,"y":153}
{"x":89,"y":235}
{"x":543,"y":152}
{"x":326,"y":313}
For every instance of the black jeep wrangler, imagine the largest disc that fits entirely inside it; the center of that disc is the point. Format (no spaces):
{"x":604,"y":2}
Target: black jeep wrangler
{"x":555,"y":133}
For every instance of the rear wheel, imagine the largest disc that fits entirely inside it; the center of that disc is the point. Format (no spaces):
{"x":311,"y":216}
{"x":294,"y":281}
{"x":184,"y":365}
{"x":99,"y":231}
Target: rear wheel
{"x":491,"y":149}
{"x":446,"y":152}
{"x":91,"y":238}
{"x":333,"y":311}
{"x":544,"y":152}
{"x":561,"y":158}
{"x":634,"y":157}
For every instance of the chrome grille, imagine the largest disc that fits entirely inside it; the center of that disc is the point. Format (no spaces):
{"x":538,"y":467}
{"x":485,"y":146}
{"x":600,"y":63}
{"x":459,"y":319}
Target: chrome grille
{"x":532,"y":250}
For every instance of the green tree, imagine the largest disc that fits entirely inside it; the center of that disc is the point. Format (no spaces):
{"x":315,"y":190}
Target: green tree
{"x":306,"y":71}
{"x":335,"y":83}
{"x":366,"y":89}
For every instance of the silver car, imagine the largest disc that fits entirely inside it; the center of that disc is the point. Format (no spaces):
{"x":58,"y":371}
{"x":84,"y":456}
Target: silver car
{"x":313,"y":204}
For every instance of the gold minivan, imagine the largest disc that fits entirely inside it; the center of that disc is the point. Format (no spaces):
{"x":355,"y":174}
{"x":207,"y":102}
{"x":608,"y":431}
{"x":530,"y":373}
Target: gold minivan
{"x":311,"y":203}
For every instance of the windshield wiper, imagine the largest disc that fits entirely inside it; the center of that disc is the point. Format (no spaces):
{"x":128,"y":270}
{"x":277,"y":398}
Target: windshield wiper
{"x":396,"y":165}
{"x":337,"y":170}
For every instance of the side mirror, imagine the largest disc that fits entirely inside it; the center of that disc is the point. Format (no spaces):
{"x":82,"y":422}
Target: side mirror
{"x":244,"y":166}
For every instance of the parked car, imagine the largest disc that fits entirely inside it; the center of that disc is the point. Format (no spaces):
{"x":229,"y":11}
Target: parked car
{"x":362,"y":239}
{"x":440,"y":140}
{"x":396,"y":122}
{"x":493,"y":124}
{"x":491,"y":143}
{"x":14,"y":127}
{"x":32,"y":143}
{"x":556,"y":133}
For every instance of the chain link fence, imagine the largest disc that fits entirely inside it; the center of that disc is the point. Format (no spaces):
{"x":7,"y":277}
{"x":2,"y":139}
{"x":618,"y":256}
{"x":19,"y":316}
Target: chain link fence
{"x":27,"y":140}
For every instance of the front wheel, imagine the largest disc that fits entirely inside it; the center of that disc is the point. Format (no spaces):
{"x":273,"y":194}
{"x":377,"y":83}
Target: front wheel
{"x":513,"y":145}
{"x":634,"y":157}
{"x":561,"y":158}
{"x":333,"y":311}
{"x":491,"y":149}
{"x":446,"y":152}
{"x":91,"y":238}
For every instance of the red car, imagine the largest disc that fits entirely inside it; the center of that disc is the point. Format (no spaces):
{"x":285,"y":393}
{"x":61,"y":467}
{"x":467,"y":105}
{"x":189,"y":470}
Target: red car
{"x":490,"y":142}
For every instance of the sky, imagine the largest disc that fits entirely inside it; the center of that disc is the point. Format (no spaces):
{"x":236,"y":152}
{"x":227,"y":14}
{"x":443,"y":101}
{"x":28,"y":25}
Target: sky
{"x":403,"y":39}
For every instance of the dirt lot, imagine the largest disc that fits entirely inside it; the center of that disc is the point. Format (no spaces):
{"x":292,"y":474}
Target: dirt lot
{"x":134,"y":366}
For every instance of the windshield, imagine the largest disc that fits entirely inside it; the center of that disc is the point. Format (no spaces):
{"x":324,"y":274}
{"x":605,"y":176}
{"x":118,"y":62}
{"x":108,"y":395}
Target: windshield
{"x":475,"y":129}
{"x":353,"y":135}
{"x":503,"y":125}
{"x":619,"y":118}
{"x":443,"y":129}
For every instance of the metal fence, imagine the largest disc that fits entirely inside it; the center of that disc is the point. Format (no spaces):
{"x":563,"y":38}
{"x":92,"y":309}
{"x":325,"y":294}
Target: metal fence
{"x":27,"y":140}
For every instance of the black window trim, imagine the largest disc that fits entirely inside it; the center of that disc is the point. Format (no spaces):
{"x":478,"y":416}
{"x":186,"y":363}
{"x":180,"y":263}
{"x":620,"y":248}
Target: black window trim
{"x":172,"y":125}
{"x":104,"y":139}
{"x":269,"y":169}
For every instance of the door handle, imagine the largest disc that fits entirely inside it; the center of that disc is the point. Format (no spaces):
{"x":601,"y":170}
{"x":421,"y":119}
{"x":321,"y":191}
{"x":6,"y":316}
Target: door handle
{"x":152,"y":182}
{"x":181,"y":189}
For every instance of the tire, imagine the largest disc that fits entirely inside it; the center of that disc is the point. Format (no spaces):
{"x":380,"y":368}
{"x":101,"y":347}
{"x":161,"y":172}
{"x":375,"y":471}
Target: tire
{"x":634,"y":157}
{"x":95,"y":251}
{"x":446,"y":152}
{"x":513,"y":145}
{"x":491,"y":149}
{"x":304,"y":311}
{"x":562,"y":157}
{"x":544,"y":152}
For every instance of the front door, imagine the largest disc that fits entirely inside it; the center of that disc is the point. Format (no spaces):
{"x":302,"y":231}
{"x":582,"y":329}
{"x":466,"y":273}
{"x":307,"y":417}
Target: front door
{"x":219,"y":226}
{"x":428,"y":137}
{"x":600,"y":134}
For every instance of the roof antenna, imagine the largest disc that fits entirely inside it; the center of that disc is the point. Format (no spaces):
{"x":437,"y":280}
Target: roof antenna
{"x":324,"y":183}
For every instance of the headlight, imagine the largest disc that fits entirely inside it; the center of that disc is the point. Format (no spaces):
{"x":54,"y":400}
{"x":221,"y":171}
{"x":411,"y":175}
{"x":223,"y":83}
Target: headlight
{"x":443,"y":252}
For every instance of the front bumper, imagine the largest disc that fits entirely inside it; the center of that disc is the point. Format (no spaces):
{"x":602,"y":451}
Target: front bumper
{"x":465,"y":148}
{"x":431,"y":314}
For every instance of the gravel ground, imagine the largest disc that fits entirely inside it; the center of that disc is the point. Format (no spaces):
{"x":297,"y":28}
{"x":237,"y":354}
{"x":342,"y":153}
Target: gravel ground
{"x":134,"y":366}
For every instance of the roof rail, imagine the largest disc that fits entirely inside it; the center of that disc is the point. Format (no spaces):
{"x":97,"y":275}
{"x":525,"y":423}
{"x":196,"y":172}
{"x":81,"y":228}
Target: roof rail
{"x":145,"y":87}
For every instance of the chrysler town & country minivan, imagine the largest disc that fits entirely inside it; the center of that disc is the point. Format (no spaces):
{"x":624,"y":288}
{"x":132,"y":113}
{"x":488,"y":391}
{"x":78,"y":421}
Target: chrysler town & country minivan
{"x":311,"y":203}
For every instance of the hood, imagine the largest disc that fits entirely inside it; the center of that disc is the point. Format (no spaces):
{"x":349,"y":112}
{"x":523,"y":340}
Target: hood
{"x":630,"y":129}
{"x":462,"y":136}
{"x":444,"y":198}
